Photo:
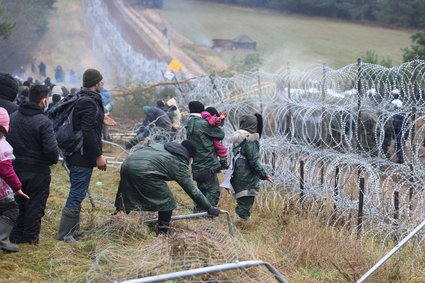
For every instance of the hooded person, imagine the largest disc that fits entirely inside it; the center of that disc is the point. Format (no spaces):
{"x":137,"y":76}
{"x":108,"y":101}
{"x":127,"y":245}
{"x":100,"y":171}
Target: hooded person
{"x":8,"y":91}
{"x":56,"y":90}
{"x":245,"y":171}
{"x":205,"y":164}
{"x":155,"y":116}
{"x":143,"y":181}
{"x":9,"y":186}
{"x":400,"y":129}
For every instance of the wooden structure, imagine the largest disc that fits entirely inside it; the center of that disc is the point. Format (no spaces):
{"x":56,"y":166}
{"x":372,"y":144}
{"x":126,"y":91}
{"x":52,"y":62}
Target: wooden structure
{"x":242,"y":42}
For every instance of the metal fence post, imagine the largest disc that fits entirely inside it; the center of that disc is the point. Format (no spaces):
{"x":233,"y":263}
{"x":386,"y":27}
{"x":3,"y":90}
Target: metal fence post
{"x":302,"y":180}
{"x":396,"y":211}
{"x":361,"y":205}
{"x":336,"y":189}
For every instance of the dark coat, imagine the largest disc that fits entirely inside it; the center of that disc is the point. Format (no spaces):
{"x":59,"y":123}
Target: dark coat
{"x":8,"y":105}
{"x":200,"y":132}
{"x":144,"y":174}
{"x":8,"y":91}
{"x":248,"y":170}
{"x":33,"y":140}
{"x":88,"y":117}
{"x":159,"y":116}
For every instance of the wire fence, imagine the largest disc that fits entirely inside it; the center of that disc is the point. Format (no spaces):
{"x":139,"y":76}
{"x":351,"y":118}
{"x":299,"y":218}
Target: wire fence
{"x":345,"y":144}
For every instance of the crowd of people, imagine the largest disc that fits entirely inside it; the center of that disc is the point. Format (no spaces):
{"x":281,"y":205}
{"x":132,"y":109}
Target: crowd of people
{"x":30,"y":143}
{"x":40,"y":71}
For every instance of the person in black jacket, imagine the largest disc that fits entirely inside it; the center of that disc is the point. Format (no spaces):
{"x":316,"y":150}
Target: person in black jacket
{"x":88,"y":116}
{"x":34,"y":144}
{"x":8,"y":91}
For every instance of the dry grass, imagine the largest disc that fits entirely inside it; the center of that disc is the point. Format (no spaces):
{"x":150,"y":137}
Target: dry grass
{"x":304,"y":250}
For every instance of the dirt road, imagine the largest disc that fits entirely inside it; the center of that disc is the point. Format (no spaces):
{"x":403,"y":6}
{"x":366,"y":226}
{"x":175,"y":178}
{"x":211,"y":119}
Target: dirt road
{"x":159,"y":42}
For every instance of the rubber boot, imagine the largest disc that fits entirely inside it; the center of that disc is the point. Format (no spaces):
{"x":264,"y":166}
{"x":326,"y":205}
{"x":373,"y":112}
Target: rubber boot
{"x":163,"y":227}
{"x":69,"y":224}
{"x":6,"y":226}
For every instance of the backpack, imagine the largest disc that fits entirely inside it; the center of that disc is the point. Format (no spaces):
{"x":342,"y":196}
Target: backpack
{"x":61,"y":115}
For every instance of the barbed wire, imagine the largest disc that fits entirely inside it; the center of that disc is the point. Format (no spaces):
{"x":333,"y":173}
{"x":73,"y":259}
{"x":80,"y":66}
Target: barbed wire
{"x":356,"y":131}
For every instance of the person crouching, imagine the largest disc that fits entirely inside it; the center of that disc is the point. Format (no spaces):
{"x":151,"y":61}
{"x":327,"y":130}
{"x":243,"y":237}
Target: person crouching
{"x":143,"y":181}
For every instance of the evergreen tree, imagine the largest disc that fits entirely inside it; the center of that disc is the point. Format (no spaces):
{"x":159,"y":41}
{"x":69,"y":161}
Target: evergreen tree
{"x":417,"y":48}
{"x":6,"y":26}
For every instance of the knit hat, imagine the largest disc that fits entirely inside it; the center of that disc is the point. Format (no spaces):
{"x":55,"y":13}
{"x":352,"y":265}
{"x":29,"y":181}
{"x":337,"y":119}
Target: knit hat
{"x":4,"y":119}
{"x":160,"y":103}
{"x":190,"y":146}
{"x":8,"y":87}
{"x":196,"y":107}
{"x":56,"y":97}
{"x":91,"y":77}
{"x":212,"y":111}
{"x":248,"y":123}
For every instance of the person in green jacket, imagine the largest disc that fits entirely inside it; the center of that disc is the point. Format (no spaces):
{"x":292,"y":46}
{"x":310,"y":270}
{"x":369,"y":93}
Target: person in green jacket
{"x":246,"y":171}
{"x":143,"y":181}
{"x":205,"y":164}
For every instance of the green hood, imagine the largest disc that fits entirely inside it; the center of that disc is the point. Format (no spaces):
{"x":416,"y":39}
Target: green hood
{"x":248,"y":123}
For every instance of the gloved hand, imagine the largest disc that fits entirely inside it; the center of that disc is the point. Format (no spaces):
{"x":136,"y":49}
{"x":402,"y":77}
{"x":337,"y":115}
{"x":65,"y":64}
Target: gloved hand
{"x":213,"y":211}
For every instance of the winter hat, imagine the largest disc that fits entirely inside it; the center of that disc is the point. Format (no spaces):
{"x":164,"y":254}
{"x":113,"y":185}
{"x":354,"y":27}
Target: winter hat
{"x":248,"y":123}
{"x":8,"y":87}
{"x":196,"y":107}
{"x":146,"y":109}
{"x":190,"y":146}
{"x":4,"y":119}
{"x":56,"y":97}
{"x":160,"y":103}
{"x":212,"y":111}
{"x":91,"y":77}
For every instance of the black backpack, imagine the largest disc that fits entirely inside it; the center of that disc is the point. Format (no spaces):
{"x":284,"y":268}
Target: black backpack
{"x":69,"y":140}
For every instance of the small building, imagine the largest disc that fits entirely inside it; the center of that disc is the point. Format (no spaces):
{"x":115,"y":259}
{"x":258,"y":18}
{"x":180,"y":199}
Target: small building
{"x":245,"y":42}
{"x":242,"y":42}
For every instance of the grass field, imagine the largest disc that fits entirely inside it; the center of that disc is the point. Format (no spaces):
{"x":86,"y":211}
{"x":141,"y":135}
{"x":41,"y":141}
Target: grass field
{"x":304,"y":250}
{"x":282,"y":39}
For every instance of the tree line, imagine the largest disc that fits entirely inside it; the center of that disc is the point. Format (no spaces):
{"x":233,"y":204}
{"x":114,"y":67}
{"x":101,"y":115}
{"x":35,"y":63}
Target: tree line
{"x":406,"y":13}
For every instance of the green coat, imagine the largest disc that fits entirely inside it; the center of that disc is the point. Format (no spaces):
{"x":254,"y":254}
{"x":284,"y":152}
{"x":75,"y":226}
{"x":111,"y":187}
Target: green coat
{"x":200,"y":132}
{"x":143,"y":175}
{"x":248,"y":170}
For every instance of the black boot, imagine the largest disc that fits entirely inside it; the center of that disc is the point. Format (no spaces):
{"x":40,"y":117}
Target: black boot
{"x":164,"y":218}
{"x":69,"y":224}
{"x":162,"y":228}
{"x":6,"y":226}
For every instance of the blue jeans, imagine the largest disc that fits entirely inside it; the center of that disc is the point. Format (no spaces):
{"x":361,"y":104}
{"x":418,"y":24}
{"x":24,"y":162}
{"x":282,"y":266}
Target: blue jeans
{"x":80,"y":180}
